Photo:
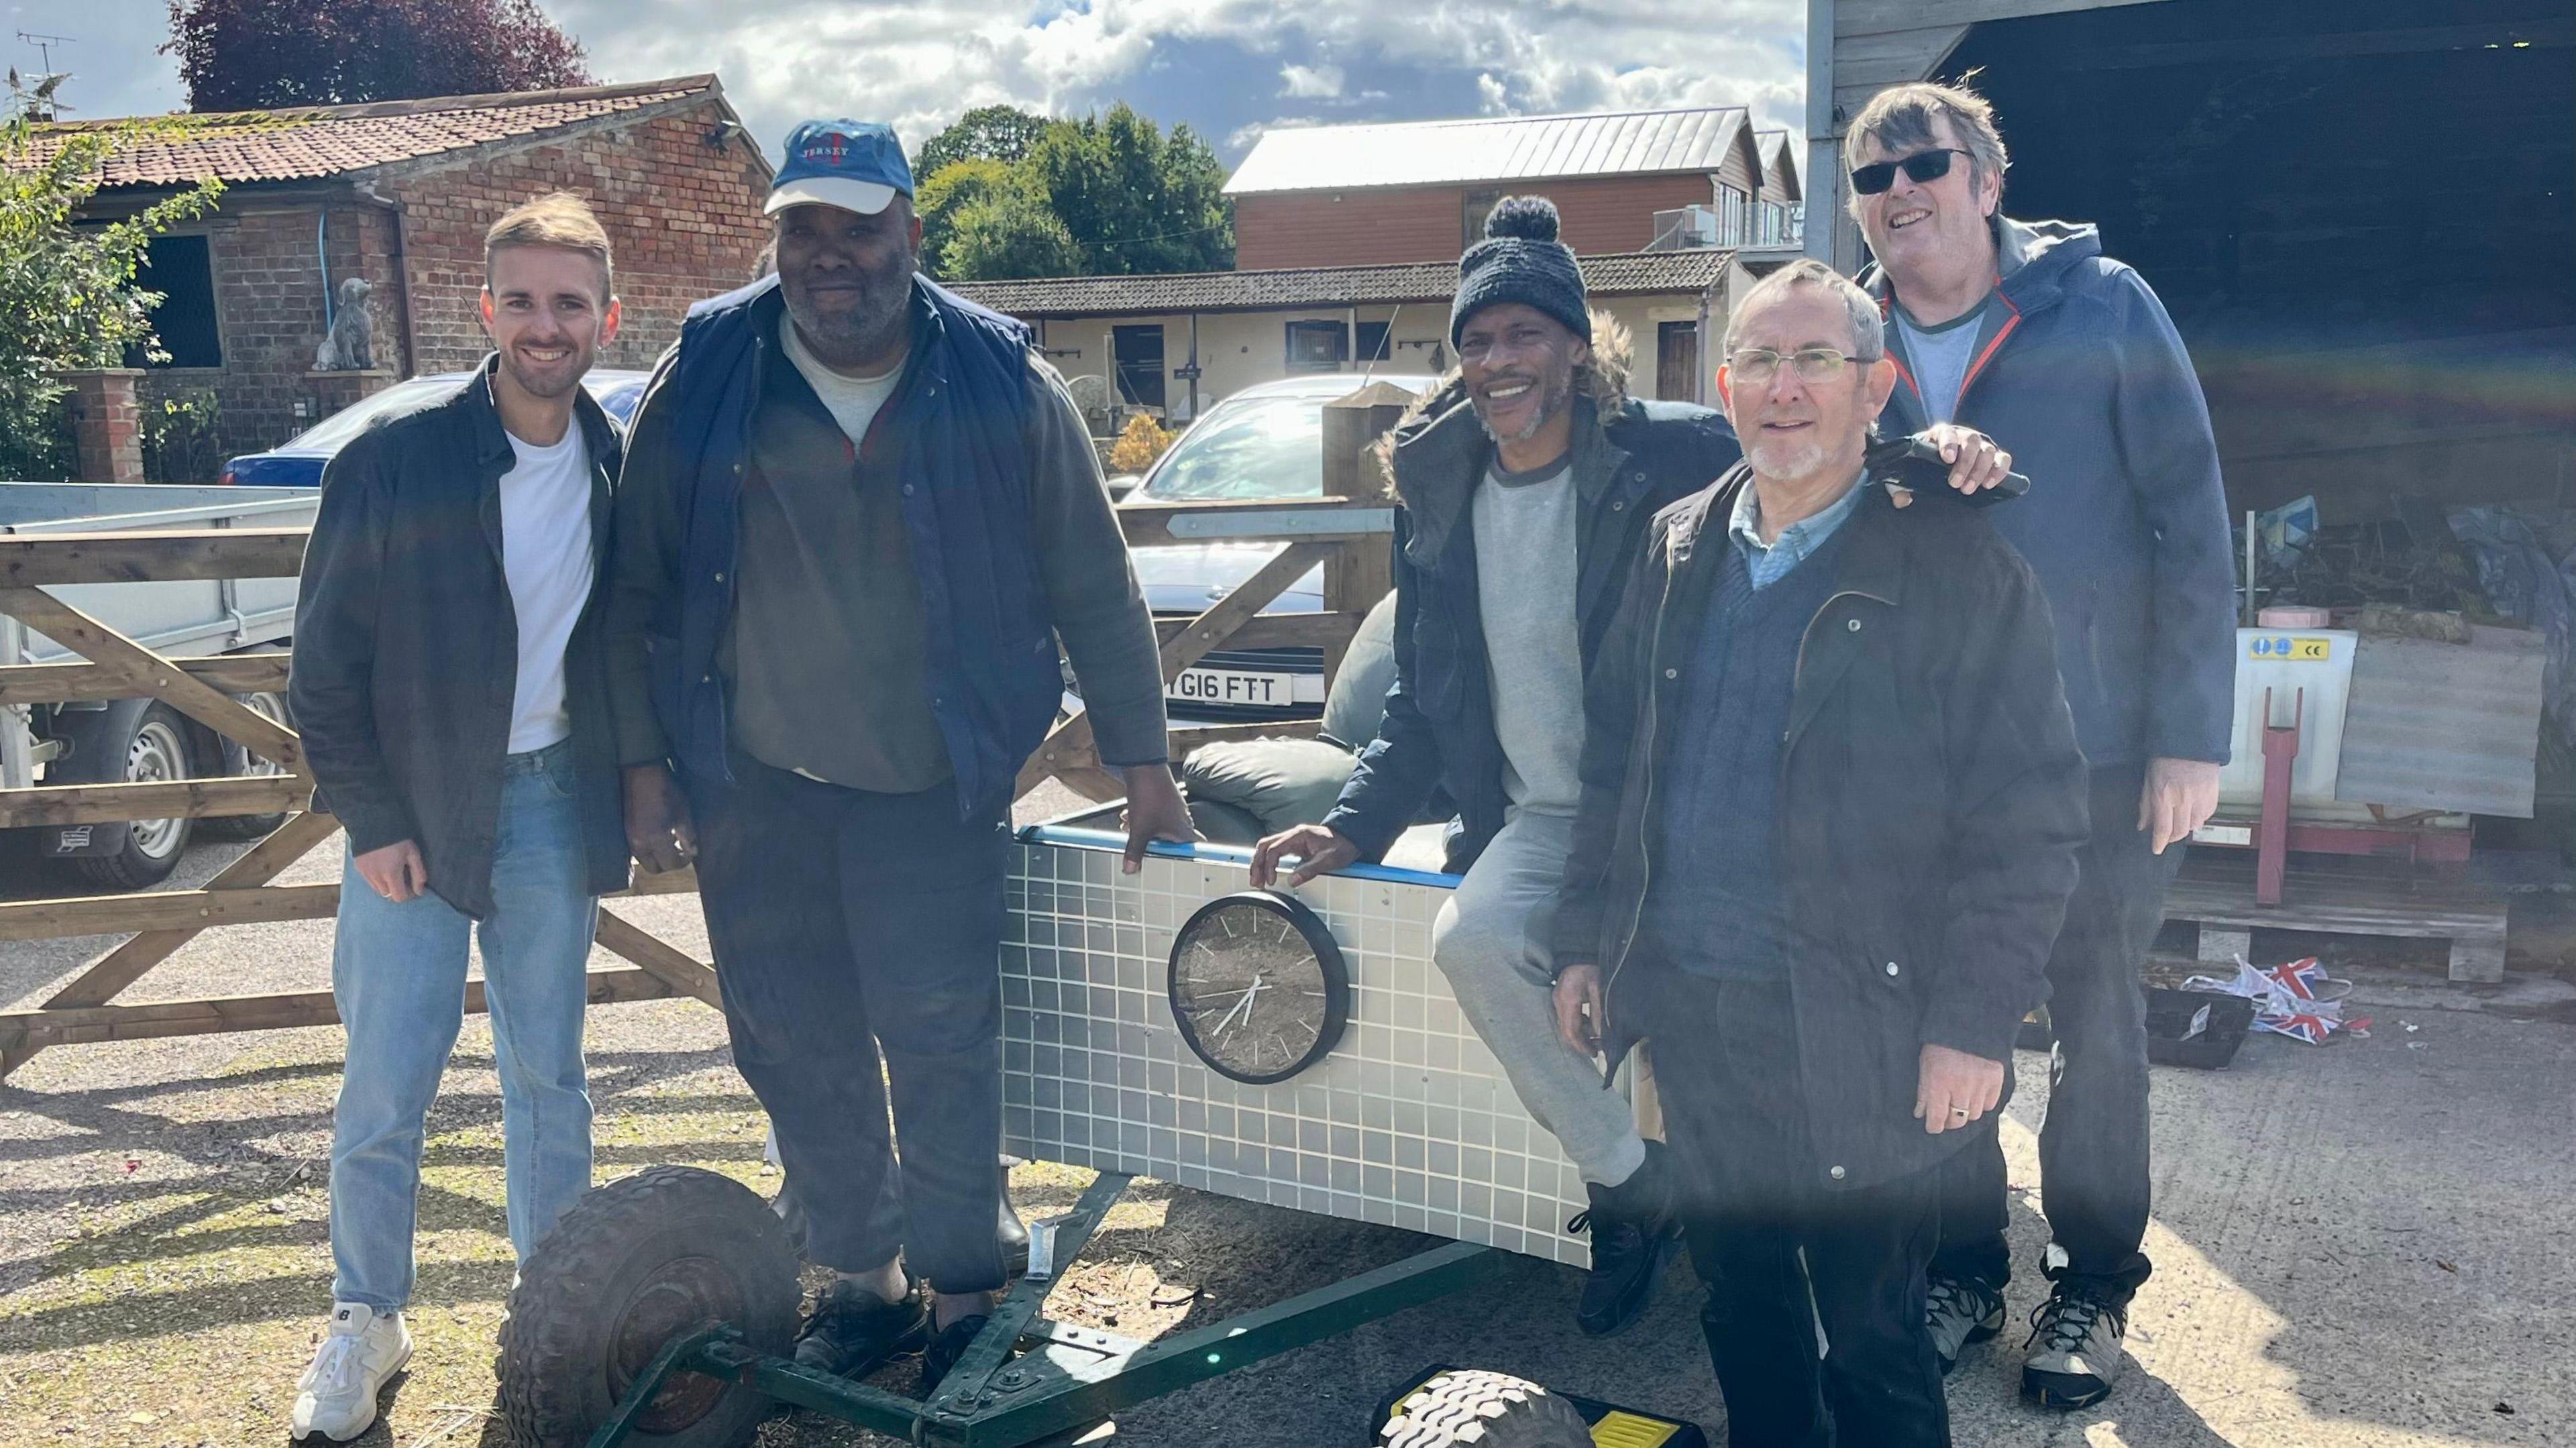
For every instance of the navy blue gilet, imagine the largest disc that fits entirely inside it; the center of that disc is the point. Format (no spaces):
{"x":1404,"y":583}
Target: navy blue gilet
{"x":991,"y":652}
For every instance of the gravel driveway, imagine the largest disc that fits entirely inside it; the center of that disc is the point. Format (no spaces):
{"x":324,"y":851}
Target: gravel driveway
{"x":2360,"y":1245}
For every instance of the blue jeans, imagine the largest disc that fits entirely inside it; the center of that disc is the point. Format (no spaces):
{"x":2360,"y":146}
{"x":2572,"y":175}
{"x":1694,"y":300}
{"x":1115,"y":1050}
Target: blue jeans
{"x":398,"y":973}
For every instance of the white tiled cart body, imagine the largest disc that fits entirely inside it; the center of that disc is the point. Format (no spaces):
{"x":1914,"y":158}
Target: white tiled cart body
{"x":1409,"y":1122}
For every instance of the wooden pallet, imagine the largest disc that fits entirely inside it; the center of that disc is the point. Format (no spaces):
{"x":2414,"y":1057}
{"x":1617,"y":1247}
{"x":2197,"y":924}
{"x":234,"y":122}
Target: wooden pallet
{"x":2220,"y":899}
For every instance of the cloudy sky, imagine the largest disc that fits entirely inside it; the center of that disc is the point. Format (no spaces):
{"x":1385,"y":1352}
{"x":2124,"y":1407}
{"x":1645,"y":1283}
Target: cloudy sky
{"x":1227,"y":67}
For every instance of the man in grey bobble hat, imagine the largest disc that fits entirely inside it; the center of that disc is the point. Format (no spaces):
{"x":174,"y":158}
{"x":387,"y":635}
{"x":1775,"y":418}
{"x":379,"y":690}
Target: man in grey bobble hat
{"x":1532,"y":455}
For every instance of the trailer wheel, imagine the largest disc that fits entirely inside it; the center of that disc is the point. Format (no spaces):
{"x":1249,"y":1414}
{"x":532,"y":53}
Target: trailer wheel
{"x":1463,"y":1409}
{"x":240,"y":763}
{"x":155,"y":751}
{"x":629,"y":1267}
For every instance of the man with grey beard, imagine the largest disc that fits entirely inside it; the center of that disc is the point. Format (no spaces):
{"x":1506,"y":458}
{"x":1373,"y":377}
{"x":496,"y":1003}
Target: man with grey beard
{"x":857,"y":517}
{"x":1532,"y":461}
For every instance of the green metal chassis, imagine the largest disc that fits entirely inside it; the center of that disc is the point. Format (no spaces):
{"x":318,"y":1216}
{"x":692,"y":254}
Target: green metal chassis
{"x":1065,"y":1378}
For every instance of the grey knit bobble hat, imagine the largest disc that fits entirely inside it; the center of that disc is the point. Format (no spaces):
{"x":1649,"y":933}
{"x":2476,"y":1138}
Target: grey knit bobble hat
{"x":1520,"y":260}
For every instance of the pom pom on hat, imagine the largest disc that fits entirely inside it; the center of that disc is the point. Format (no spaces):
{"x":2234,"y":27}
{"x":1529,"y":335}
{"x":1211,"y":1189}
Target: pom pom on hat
{"x":1531,"y":218}
{"x":1521,"y":259}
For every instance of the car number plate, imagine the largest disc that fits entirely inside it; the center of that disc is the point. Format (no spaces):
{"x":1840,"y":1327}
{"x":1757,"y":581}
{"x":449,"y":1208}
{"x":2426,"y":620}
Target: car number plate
{"x":1228,"y":686}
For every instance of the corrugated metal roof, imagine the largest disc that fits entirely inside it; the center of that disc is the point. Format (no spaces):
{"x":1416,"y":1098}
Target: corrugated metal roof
{"x":1499,"y":148}
{"x":1779,"y":162}
{"x":1624,"y":274}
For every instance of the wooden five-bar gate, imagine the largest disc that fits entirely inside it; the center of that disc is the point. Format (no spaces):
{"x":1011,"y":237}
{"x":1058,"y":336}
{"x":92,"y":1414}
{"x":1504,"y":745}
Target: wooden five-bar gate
{"x":1345,"y":533}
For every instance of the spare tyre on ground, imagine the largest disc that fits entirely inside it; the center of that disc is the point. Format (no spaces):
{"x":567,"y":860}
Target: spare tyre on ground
{"x":631,"y":1266}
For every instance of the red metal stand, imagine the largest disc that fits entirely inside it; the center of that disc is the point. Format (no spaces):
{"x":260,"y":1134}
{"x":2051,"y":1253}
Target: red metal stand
{"x":2280,"y":752}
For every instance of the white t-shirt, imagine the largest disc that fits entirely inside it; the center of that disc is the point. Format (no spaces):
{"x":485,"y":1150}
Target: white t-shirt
{"x":852,"y":401}
{"x":545,"y":555}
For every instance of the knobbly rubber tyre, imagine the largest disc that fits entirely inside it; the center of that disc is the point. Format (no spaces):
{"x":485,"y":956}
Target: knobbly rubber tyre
{"x":629,"y":1267}
{"x":1467,"y":1409}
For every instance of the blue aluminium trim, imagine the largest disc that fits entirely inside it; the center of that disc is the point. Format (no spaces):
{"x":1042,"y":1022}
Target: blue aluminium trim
{"x":1116,"y":843}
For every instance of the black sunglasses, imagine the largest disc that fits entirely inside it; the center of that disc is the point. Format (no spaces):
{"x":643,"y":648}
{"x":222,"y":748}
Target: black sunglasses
{"x":1921,"y":167}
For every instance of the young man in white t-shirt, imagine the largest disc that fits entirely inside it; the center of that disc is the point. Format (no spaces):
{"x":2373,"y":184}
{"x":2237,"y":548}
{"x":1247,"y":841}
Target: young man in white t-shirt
{"x":451,"y":689}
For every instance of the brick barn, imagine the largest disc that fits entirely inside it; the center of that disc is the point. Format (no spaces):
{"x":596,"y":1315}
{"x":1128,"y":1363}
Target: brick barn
{"x":399,"y":193}
{"x":1411,"y":191}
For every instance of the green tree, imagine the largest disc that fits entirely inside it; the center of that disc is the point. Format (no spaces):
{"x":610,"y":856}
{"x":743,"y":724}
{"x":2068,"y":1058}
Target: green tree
{"x":1010,"y":233}
{"x":239,"y":55}
{"x":1136,"y":200}
{"x":67,"y":295}
{"x":947,"y":192}
{"x":986,"y":133}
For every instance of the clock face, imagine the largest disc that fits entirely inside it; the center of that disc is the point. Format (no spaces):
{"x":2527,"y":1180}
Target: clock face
{"x":1258,"y":986}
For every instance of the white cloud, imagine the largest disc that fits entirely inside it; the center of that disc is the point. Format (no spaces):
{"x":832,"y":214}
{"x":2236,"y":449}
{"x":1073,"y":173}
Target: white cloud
{"x":1310,"y":80}
{"x":919,"y":63}
{"x":1230,"y":67}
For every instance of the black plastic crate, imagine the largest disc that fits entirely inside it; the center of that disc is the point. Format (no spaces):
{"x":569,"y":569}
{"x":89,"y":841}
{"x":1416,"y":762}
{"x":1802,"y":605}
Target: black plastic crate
{"x":2178,"y":1031}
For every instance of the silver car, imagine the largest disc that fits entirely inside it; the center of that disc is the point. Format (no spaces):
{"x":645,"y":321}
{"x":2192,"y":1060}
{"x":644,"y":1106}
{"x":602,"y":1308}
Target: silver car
{"x":1264,"y":442}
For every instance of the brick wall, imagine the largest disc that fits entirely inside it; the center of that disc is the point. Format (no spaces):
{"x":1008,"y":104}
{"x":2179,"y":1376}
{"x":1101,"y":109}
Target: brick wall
{"x":269,"y":313}
{"x":1427,"y":223}
{"x":683,"y":223}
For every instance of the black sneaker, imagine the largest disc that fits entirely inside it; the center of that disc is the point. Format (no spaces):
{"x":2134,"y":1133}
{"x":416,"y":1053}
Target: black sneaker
{"x":945,"y":1349}
{"x":1958,"y":1312}
{"x":853,"y":1331}
{"x":1015,"y":1240}
{"x":1634,"y":1235}
{"x":1627,"y":1262}
{"x":2074,"y":1350}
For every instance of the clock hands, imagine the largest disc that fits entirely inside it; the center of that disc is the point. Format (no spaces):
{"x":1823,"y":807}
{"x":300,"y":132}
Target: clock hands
{"x":1242,"y":1008}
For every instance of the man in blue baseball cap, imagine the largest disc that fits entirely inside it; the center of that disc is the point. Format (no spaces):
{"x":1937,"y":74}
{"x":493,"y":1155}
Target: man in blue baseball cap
{"x":858,"y":517}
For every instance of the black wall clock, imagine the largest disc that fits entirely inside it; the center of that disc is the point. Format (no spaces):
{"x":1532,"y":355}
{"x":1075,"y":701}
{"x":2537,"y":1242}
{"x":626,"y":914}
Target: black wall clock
{"x":1258,"y":986}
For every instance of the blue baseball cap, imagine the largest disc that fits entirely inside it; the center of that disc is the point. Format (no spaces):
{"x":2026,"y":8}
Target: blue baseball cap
{"x":854,"y":165}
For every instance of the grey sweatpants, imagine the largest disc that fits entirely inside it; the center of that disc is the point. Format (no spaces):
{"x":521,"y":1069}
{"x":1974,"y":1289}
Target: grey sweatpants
{"x":1491,"y":941}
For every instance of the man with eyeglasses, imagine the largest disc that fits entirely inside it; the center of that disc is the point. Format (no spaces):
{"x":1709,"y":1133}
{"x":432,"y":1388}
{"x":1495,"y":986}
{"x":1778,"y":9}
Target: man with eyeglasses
{"x":1526,"y":482}
{"x":2026,"y":331}
{"x":1830,"y":805}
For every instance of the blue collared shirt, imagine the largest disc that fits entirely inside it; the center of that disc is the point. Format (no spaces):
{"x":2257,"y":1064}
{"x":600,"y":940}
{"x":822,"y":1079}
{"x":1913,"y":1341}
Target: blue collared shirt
{"x":1768,"y":563}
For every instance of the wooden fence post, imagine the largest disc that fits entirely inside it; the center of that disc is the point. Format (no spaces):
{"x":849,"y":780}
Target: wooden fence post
{"x":1358,"y":574}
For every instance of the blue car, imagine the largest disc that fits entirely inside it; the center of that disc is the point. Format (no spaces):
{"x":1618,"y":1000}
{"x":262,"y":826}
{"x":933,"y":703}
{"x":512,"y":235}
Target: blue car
{"x":298,"y":462}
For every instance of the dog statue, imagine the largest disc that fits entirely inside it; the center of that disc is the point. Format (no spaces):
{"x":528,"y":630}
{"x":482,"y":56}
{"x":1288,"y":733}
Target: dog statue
{"x":350,"y":347}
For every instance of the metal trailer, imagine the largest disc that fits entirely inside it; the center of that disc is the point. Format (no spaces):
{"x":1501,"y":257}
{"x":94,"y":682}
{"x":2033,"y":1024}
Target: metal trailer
{"x":661,"y":1309}
{"x":102,"y":740}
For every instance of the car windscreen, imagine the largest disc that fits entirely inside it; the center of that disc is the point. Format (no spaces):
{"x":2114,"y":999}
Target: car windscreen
{"x":333,"y":433}
{"x":1252,"y":447}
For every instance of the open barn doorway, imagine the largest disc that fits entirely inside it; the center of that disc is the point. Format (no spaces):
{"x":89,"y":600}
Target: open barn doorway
{"x":2361,"y":213}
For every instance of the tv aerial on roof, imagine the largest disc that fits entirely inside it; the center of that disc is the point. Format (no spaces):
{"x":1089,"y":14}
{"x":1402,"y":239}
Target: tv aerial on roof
{"x":36,"y":94}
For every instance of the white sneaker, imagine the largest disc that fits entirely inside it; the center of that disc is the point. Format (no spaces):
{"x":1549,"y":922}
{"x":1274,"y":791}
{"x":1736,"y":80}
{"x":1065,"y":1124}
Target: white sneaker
{"x":336,"y":1397}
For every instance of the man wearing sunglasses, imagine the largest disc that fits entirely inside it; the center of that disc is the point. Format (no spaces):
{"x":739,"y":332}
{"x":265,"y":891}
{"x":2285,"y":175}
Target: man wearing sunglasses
{"x":2027,"y":332}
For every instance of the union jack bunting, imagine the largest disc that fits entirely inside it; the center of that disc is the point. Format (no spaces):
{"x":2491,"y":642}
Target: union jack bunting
{"x":2297,"y":999}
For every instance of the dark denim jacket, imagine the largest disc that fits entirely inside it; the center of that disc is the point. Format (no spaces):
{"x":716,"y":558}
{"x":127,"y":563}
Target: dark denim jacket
{"x":1439,"y":726}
